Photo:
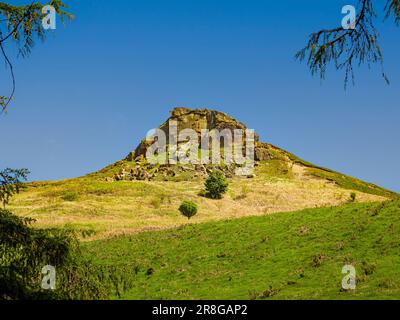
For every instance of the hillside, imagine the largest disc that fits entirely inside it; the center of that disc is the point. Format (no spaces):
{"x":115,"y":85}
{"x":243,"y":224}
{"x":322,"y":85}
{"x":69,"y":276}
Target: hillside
{"x":296,"y":255}
{"x":283,"y":232}
{"x":132,"y":195}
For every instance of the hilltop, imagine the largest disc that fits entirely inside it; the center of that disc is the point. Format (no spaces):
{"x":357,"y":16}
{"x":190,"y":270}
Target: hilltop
{"x":133,"y":195}
{"x":135,"y":167}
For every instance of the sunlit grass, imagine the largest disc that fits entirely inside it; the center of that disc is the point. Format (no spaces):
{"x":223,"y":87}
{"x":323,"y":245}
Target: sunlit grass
{"x":296,"y":255}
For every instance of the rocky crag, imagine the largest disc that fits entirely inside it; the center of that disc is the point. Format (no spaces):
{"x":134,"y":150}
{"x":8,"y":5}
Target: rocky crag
{"x":198,"y":120}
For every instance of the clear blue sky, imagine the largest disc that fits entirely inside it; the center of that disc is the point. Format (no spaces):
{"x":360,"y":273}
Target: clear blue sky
{"x":88,"y":94}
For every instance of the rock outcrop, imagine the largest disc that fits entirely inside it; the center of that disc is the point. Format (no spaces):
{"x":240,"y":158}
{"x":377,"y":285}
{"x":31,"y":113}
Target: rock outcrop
{"x":196,"y":119}
{"x":185,"y":118}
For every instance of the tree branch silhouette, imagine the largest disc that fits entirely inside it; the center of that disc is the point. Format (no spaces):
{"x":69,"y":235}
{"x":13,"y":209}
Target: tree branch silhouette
{"x":23,"y":25}
{"x":345,"y":48}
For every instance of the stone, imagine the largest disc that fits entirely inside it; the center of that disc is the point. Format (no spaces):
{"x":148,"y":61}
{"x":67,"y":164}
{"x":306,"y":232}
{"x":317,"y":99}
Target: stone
{"x":261,"y":152}
{"x":196,"y":119}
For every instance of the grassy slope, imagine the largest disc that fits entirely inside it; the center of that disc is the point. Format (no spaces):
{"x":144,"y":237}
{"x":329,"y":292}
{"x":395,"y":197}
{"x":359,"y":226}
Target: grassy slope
{"x":281,"y":256}
{"x":101,"y":209}
{"x":342,"y":180}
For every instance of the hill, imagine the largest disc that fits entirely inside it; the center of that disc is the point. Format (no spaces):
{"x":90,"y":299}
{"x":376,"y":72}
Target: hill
{"x":297,"y":255}
{"x":133,"y":195}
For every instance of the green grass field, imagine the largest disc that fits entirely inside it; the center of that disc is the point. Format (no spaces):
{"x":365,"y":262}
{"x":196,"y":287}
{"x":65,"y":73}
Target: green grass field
{"x":297,"y":255}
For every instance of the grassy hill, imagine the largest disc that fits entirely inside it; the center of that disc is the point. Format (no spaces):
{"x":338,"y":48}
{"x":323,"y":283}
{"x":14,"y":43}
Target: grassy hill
{"x":100,"y":209}
{"x":296,"y":255}
{"x":238,"y":247}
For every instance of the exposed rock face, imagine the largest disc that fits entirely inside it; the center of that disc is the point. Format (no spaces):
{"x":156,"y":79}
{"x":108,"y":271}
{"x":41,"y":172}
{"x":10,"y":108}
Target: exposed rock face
{"x":196,"y":119}
{"x":262,"y":152}
{"x":165,"y":172}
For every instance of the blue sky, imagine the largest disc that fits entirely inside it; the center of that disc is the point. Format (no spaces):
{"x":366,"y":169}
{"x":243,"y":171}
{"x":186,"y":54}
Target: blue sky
{"x":88,"y":94}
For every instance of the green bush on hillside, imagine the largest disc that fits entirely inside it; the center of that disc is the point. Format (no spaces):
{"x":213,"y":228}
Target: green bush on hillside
{"x":188,"y":209}
{"x":216,"y":185}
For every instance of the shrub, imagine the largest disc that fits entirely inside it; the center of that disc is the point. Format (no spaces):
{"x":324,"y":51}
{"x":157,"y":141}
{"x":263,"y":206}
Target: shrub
{"x":188,"y":209}
{"x":216,"y":185}
{"x":70,"y":196}
{"x":353,"y":196}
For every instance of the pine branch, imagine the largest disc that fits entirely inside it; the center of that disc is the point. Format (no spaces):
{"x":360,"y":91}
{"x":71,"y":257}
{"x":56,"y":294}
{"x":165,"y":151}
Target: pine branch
{"x":23,"y":25}
{"x":345,"y":48}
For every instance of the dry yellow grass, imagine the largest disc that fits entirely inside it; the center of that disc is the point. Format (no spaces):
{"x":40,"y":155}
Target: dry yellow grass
{"x":107,"y":209}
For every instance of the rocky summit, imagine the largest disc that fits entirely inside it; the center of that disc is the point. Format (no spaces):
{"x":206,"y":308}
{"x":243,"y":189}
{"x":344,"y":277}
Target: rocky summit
{"x":271,"y":162}
{"x":200,"y":119}
{"x":197,"y":120}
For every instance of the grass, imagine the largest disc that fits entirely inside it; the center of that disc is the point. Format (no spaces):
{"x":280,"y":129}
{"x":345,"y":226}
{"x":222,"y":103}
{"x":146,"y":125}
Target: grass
{"x":239,"y":247}
{"x":279,"y":166}
{"x":343,"y":181}
{"x":340,"y":179}
{"x":283,"y":256}
{"x":70,"y":196}
{"x":100,"y":209}
{"x":350,"y":183}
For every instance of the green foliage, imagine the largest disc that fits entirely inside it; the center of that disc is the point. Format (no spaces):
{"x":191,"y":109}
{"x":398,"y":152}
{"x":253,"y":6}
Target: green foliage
{"x":11,"y":183}
{"x":216,"y":185}
{"x":188,"y":209}
{"x":24,"y":22}
{"x":353,"y":197}
{"x":25,"y":250}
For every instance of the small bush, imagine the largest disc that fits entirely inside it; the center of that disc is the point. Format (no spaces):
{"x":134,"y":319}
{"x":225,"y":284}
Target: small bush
{"x":216,"y":185}
{"x":188,"y":209}
{"x":353,"y":197}
{"x":70,"y":196}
